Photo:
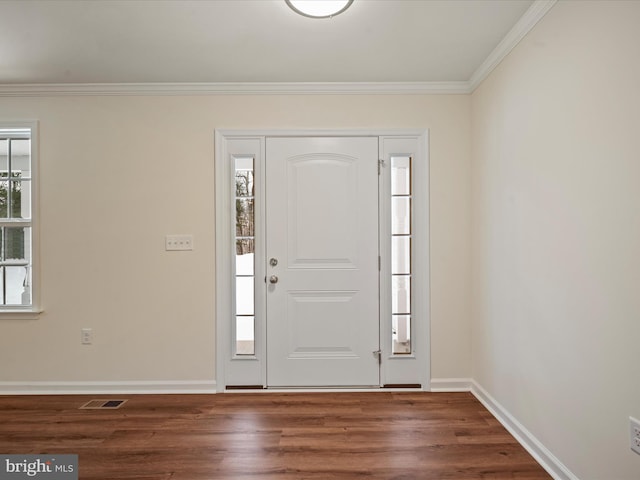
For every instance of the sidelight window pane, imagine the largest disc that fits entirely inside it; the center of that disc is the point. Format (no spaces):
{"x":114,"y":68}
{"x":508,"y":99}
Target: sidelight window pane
{"x":244,"y":163}
{"x":400,"y":175}
{"x":401,"y":325}
{"x":245,"y":256}
{"x":400,"y":255}
{"x":244,"y":218}
{"x":401,"y":215}
{"x":401,"y":294}
{"x":244,"y":295}
{"x":245,"y":335}
{"x":244,"y":183}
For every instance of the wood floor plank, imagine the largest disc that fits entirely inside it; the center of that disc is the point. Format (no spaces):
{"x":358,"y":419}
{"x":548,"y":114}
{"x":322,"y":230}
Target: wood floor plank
{"x":283,"y":436}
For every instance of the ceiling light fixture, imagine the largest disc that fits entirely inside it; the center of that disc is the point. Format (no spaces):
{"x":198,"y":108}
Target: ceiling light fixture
{"x":319,"y":8}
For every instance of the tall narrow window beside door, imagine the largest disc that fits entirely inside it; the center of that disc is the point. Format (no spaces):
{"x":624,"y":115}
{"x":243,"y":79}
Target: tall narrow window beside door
{"x":245,"y":256}
{"x":16,"y":219}
{"x":401,"y":236}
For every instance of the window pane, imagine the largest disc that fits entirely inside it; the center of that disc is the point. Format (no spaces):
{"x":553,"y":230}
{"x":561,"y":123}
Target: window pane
{"x":244,"y":183}
{"x":20,"y":196}
{"x":244,"y":218}
{"x":245,"y":336}
{"x":4,"y":198}
{"x":25,"y":199}
{"x":401,"y":215}
{"x":21,"y":156}
{"x":244,"y":296}
{"x":400,"y":294}
{"x":245,"y":249}
{"x":4,"y":158}
{"x":400,"y":176}
{"x":400,"y":255}
{"x":20,"y":147}
{"x":244,"y":163}
{"x":18,"y":281}
{"x":15,"y":243}
{"x":401,"y":325}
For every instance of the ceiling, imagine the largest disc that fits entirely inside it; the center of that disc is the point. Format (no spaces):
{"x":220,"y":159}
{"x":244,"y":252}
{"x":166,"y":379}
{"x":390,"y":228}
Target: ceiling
{"x":211,"y":41}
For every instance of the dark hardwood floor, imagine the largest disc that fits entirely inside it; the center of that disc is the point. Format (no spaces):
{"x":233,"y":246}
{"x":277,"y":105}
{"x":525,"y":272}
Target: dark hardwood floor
{"x":387,"y":435}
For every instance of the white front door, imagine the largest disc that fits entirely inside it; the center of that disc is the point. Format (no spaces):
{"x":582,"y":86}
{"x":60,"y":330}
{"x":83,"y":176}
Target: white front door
{"x":322,"y":272}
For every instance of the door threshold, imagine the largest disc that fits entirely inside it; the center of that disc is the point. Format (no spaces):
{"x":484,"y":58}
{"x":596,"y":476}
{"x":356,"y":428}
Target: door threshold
{"x":369,"y":389}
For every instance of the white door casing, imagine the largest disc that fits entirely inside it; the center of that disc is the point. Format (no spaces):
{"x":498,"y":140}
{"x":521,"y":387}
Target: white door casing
{"x":251,"y":370}
{"x":322,"y":230}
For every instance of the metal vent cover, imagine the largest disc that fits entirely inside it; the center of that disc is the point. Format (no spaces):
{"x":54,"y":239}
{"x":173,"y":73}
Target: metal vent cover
{"x":103,"y":404}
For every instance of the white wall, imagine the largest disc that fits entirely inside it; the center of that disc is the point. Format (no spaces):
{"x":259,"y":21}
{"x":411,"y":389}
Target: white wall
{"x":556,"y":235}
{"x":534,"y":202}
{"x":119,"y":173}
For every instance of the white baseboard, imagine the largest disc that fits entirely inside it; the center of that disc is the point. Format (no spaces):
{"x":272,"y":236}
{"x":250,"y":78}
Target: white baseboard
{"x":543,"y":456}
{"x":107,"y":388}
{"x":450,"y":384}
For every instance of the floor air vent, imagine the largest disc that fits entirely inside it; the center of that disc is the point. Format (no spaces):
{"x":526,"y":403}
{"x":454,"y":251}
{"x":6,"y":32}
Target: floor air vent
{"x":102,"y":405}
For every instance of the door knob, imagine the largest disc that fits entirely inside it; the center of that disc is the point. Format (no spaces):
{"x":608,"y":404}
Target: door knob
{"x":273,"y":262}
{"x":273,"y":279}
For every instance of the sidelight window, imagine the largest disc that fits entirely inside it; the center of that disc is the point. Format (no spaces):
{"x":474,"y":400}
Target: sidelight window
{"x":245,"y":256}
{"x":401,"y":239}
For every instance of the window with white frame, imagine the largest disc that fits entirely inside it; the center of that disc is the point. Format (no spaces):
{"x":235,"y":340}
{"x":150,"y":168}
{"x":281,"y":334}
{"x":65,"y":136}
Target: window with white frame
{"x":16,"y":218}
{"x":401,"y":236}
{"x":245,"y":255}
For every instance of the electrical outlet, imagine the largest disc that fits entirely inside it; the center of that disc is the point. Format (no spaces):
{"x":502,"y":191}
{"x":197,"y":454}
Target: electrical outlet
{"x":178,"y":242}
{"x":634,"y":435}
{"x":86,"y":336}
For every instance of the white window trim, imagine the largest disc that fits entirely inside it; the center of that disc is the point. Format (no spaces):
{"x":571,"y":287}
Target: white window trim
{"x":33,"y":311}
{"x":394,"y":369}
{"x":251,"y":370}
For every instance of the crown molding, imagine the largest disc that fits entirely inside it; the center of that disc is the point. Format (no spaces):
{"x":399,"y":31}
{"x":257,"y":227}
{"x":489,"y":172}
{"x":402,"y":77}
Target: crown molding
{"x":279,"y":88}
{"x":531,"y":17}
